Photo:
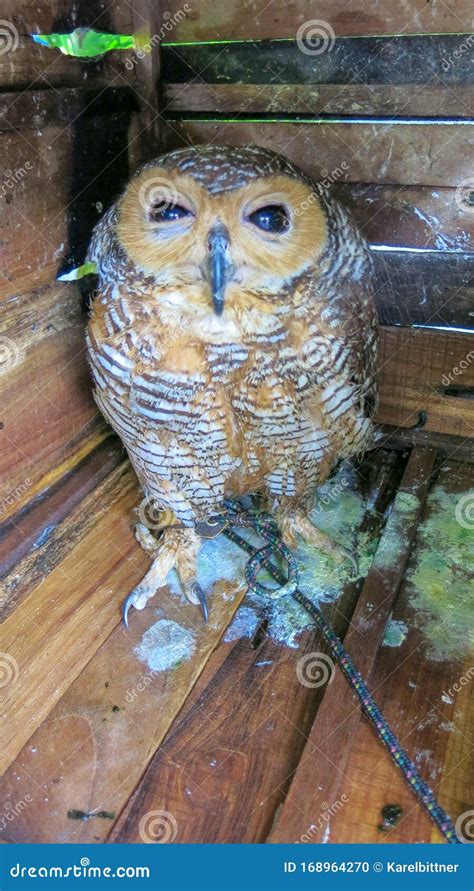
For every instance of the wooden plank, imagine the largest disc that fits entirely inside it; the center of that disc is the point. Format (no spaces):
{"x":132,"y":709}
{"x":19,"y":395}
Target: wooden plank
{"x":145,"y":135}
{"x":46,"y":230}
{"x":417,"y":682}
{"x":421,"y":61}
{"x":319,"y":777}
{"x":48,"y":411}
{"x":40,"y":535}
{"x":377,"y":100}
{"x":29,"y":65}
{"x":213,"y":772}
{"x":52,"y":634}
{"x":438,"y":219}
{"x":376,"y":153}
{"x":429,"y":374}
{"x":93,"y":747}
{"x":424,"y":287}
{"x":213,"y":20}
{"x":36,"y":109}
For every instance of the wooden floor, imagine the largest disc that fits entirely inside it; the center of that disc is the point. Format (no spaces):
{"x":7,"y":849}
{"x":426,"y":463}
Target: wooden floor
{"x":188,"y":732}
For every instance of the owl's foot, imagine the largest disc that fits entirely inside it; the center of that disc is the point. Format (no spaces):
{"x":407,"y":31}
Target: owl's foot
{"x":297,"y":523}
{"x":176,"y":548}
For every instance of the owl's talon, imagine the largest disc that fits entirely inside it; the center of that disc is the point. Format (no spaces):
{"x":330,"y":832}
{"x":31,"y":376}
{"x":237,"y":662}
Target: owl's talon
{"x":195,"y":594}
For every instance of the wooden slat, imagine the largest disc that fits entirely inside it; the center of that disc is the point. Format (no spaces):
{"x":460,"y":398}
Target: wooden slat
{"x":437,"y":219}
{"x":48,"y":412}
{"x":40,"y":535}
{"x":419,"y":372}
{"x":94,"y":746}
{"x":30,"y":65}
{"x":319,"y":778}
{"x":54,"y":632}
{"x":47,"y":229}
{"x":372,"y":61}
{"x":332,"y":99}
{"x":419,"y":692}
{"x":377,"y":153}
{"x":213,"y":20}
{"x":424,"y":288}
{"x":241,"y":736}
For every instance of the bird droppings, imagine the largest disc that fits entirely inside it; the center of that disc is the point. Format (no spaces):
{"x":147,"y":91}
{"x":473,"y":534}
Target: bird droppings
{"x":403,"y":511}
{"x":339,"y":511}
{"x":442,"y":579}
{"x":395,"y":633}
{"x":391,"y":815}
{"x":165,"y":644}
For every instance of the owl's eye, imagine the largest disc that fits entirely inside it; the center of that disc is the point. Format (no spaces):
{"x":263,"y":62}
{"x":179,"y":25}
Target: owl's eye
{"x":168,"y":213}
{"x":272,"y":218}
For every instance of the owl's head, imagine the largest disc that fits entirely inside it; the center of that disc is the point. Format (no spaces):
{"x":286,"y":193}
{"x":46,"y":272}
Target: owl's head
{"x":221,"y":226}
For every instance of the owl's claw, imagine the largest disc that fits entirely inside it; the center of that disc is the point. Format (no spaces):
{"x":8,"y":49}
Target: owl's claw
{"x":195,"y":594}
{"x":125,"y":608}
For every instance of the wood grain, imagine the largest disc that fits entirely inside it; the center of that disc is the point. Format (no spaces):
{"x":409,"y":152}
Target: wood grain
{"x":29,"y":65}
{"x":224,"y":767}
{"x":417,"y":370}
{"x":411,"y":683}
{"x":212,"y":20}
{"x":375,"y":153}
{"x":319,"y":780}
{"x":332,"y":99}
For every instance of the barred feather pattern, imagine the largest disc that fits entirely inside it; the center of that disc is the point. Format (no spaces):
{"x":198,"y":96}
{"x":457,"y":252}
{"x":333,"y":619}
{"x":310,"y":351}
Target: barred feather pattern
{"x":208,"y":412}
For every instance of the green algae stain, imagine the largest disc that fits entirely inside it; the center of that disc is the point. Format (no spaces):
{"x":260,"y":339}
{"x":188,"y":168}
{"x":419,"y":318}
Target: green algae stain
{"x":442,"y":579}
{"x":393,"y":541}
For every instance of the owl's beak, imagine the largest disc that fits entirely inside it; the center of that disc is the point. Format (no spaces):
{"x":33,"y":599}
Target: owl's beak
{"x":219,"y":266}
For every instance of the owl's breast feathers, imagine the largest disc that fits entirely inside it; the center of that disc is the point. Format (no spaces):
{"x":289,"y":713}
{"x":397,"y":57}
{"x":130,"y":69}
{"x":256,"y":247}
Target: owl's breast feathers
{"x":205,"y":413}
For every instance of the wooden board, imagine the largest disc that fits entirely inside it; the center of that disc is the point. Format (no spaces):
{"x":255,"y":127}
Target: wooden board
{"x":371,"y":61}
{"x":419,"y":692}
{"x":213,"y":20}
{"x":91,"y":757}
{"x":47,"y":229}
{"x":373,"y":153}
{"x":29,"y":65}
{"x":331,"y":99}
{"x":429,"y":372}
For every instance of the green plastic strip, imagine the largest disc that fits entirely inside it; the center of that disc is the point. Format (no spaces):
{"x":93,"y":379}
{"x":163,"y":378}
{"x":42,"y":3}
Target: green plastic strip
{"x":74,"y":274}
{"x":86,"y":43}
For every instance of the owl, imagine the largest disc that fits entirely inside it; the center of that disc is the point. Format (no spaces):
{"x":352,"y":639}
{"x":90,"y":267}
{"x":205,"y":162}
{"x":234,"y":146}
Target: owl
{"x":232,"y":343}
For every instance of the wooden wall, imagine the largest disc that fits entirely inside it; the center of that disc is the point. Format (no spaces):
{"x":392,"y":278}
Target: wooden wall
{"x":388,"y":119}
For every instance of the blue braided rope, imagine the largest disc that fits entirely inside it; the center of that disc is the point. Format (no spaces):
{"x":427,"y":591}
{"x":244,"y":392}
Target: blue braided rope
{"x":266,"y":527}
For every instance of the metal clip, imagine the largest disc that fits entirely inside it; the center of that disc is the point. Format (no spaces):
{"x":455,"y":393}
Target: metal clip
{"x":211,"y":528}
